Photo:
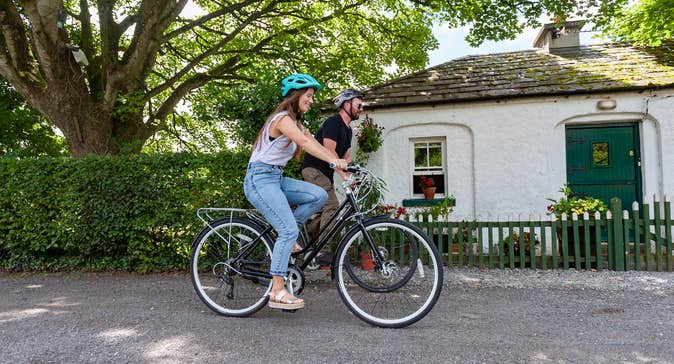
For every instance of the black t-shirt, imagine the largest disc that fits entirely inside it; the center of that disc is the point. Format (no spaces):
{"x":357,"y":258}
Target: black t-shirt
{"x":333,"y":128}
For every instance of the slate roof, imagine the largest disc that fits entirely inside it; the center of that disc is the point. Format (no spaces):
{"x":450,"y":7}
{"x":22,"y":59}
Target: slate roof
{"x":585,"y":69}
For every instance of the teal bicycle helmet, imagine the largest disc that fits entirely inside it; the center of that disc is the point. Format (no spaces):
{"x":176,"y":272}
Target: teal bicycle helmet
{"x":298,"y":81}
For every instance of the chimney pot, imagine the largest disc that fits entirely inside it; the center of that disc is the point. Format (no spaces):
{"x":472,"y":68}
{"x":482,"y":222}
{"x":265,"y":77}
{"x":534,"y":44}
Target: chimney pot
{"x":559,"y":35}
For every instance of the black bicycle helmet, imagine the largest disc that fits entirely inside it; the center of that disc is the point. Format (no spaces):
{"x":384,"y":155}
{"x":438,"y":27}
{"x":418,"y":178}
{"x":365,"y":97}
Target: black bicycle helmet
{"x":346,"y":95}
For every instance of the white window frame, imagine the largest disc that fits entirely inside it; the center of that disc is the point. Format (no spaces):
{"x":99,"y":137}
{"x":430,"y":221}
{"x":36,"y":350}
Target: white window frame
{"x":430,"y":170}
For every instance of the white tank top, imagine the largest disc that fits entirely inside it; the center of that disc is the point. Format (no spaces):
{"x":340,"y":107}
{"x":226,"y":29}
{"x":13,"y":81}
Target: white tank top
{"x":276,"y":152}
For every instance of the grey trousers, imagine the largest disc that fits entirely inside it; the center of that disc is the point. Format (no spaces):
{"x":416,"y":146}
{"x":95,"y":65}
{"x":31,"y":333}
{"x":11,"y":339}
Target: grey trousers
{"x":317,"y":177}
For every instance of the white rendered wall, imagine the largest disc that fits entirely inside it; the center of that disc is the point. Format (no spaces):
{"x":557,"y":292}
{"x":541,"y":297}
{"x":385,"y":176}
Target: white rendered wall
{"x":505,"y":158}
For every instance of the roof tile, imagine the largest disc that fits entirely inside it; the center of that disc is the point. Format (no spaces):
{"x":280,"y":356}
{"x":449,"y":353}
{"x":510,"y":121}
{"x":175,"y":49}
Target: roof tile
{"x":591,"y":68}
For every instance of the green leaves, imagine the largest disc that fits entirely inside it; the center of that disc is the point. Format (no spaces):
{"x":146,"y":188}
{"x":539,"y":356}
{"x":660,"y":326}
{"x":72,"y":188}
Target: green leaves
{"x":646,"y":22}
{"x":146,"y":60}
{"x":129,"y":213}
{"x":570,"y":204}
{"x":23,"y":131}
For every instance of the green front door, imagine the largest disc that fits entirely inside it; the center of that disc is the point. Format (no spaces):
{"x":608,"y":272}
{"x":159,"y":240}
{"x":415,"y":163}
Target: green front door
{"x":603,"y":162}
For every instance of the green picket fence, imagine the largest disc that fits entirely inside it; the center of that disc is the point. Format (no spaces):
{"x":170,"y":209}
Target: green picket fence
{"x":617,"y":240}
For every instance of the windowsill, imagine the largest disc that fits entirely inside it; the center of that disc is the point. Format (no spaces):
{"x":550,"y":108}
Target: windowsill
{"x":414,"y":202}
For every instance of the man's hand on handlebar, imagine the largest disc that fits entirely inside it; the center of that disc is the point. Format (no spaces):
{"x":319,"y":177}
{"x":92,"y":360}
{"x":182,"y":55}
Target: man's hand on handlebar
{"x":338,"y":163}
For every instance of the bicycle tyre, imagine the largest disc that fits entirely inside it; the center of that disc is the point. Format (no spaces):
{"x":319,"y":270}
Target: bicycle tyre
{"x":400,"y":301}
{"x":218,"y":282}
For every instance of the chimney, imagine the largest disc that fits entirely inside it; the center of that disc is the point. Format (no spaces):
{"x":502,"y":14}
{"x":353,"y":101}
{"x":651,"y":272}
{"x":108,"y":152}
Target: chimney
{"x":559,"y":35}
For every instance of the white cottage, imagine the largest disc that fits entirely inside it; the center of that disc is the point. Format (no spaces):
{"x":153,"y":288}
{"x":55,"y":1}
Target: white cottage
{"x":502,"y":132}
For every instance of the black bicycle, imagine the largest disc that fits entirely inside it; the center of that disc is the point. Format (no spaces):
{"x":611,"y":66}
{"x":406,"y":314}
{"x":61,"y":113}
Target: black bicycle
{"x":387,"y":271}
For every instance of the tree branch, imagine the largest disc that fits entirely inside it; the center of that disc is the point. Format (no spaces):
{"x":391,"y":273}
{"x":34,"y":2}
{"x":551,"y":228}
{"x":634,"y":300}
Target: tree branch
{"x":213,"y":50}
{"x":109,"y":44}
{"x":193,"y":83}
{"x":127,"y":22}
{"x":15,"y":55}
{"x":155,"y":16}
{"x":198,"y":22}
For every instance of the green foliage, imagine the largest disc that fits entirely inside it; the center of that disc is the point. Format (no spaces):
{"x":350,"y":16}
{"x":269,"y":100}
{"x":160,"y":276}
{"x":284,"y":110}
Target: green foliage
{"x":443,"y":208}
{"x":500,"y":20}
{"x":645,"y":22}
{"x":23,"y":131}
{"x":225,"y":117}
{"x":128,"y":213}
{"x":570,"y":204}
{"x":156,"y":60}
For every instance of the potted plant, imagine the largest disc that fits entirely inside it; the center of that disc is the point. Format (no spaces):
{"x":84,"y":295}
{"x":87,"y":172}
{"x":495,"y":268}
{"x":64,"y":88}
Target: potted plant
{"x":569,"y":204}
{"x":517,"y":246}
{"x":368,"y":137}
{"x":427,"y":185}
{"x":462,"y":239}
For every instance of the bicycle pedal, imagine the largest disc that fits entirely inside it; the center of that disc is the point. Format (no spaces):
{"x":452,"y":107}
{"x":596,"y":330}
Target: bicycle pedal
{"x":289,"y":311}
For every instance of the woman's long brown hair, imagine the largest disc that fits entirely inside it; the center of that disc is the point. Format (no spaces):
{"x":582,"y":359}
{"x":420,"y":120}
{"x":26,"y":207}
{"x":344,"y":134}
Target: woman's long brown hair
{"x":290,"y":104}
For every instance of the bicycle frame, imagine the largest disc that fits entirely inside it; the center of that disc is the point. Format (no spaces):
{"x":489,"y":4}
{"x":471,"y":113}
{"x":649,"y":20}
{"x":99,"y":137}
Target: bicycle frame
{"x":336,"y":223}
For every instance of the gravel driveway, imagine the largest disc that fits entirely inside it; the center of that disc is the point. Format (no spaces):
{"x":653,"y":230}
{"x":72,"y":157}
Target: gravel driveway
{"x":495,"y":316}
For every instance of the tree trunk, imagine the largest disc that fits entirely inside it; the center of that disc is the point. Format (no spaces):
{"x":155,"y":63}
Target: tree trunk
{"x":88,"y":126}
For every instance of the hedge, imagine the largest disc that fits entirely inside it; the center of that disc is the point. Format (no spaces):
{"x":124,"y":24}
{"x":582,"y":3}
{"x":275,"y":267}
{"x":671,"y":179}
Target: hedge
{"x":111,"y":213}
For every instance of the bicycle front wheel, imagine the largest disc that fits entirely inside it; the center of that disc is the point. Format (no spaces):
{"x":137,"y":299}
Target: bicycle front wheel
{"x":406,"y":286}
{"x":227,"y":285}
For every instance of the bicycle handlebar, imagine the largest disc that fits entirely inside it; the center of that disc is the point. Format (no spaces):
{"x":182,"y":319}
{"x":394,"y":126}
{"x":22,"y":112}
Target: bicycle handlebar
{"x":351,"y":167}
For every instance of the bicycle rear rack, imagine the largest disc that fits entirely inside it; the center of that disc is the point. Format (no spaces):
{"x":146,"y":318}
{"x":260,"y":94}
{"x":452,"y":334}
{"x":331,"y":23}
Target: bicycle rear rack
{"x":207,"y":214}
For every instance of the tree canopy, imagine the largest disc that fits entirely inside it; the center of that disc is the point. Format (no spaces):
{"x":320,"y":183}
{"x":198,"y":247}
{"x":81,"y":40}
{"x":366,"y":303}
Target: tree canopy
{"x":646,"y":22}
{"x":110,"y":73}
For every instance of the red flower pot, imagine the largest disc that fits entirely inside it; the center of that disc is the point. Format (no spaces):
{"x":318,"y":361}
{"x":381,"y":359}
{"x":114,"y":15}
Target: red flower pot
{"x":366,"y":261}
{"x":429,"y":193}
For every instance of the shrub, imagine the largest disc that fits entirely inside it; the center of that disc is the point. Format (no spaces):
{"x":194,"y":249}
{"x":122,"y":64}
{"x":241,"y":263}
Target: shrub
{"x":127,"y":213}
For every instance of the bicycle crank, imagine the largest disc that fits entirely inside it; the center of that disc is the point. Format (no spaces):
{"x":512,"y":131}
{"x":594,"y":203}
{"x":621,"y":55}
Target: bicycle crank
{"x":295,"y":280}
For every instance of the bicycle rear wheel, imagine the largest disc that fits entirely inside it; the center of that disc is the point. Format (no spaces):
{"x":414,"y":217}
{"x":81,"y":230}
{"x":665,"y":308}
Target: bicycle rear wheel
{"x":228,"y":286}
{"x":407,"y":285}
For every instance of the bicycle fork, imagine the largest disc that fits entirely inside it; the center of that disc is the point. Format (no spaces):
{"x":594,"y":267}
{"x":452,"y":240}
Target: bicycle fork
{"x":377,"y":257}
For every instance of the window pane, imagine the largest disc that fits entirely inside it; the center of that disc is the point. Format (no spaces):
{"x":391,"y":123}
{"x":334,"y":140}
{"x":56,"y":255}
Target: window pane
{"x":419,"y":157}
{"x":600,"y":154}
{"x":435,"y":156}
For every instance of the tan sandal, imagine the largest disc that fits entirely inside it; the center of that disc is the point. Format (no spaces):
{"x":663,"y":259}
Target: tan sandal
{"x":285,"y":300}
{"x":297,"y":248}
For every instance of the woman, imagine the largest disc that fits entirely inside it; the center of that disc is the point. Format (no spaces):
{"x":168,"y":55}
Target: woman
{"x":271,"y":193}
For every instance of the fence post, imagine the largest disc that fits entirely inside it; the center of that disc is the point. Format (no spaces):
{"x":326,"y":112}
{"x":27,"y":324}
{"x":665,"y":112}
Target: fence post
{"x":618,"y":236}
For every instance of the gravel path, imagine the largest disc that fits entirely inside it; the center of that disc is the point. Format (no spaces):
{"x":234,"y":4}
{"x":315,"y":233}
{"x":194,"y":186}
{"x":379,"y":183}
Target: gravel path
{"x":495,"y":316}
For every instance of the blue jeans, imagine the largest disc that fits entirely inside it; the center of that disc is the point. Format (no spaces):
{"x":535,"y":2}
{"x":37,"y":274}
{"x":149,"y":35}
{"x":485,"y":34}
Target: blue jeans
{"x":272,"y":195}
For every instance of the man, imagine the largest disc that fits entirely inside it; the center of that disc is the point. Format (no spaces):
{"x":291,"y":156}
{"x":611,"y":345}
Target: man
{"x":335,"y":135}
